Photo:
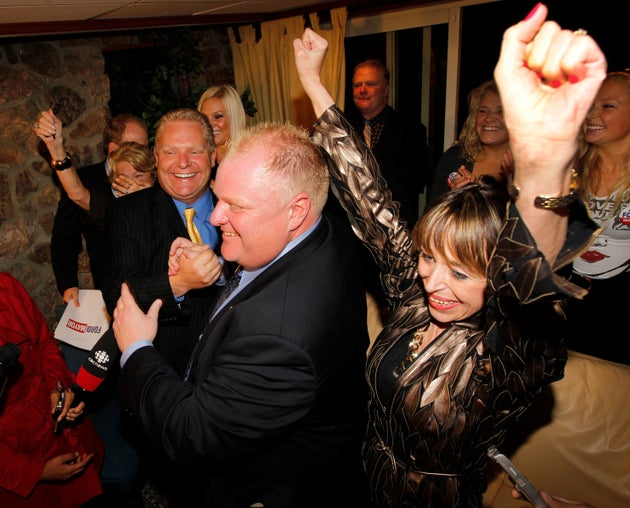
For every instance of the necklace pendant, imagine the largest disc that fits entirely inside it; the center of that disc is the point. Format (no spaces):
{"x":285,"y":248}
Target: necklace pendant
{"x":415,"y":344}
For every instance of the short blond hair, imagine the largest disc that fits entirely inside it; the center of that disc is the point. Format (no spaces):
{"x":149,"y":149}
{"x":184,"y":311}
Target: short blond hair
{"x":186,"y":115}
{"x":139,"y":156}
{"x":292,"y":158}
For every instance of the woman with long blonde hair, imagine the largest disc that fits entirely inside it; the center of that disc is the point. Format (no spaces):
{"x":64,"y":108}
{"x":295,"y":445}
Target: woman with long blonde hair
{"x":597,"y":322}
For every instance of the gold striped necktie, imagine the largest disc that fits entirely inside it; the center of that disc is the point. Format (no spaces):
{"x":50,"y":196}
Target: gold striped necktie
{"x":193,"y":232}
{"x":367,"y":133}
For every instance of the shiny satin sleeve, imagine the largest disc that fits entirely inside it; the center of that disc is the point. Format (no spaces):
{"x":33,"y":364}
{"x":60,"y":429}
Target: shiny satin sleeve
{"x":523,"y":287}
{"x":358,"y":185}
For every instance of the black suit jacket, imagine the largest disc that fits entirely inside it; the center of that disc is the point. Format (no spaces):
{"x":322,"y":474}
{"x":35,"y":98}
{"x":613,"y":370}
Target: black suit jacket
{"x":71,"y":223}
{"x":275,"y":410}
{"x":140,"y":229}
{"x":402,"y":155}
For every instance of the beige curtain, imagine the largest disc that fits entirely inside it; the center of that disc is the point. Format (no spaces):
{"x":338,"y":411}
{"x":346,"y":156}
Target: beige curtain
{"x":267,"y":66}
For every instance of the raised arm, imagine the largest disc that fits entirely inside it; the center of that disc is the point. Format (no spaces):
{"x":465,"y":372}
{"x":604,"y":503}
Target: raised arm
{"x":310,"y":51}
{"x":548,"y":78}
{"x":49,"y":129}
{"x":356,"y":180}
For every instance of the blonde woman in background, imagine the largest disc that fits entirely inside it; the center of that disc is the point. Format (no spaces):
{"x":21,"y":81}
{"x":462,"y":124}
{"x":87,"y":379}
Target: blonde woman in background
{"x":132,"y":164}
{"x":480,"y":147}
{"x":224,"y":108}
{"x":598,"y":323}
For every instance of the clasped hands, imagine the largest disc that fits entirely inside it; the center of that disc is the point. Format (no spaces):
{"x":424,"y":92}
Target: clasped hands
{"x":192,"y":266}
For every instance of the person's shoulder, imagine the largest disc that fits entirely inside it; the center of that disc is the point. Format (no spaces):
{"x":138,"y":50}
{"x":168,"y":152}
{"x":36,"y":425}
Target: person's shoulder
{"x":93,"y":174}
{"x":135,"y":202}
{"x":454,"y":150}
{"x":6,"y":278}
{"x":354,"y":116}
{"x":389,"y":113}
{"x":408,"y":125}
{"x":332,"y":220}
{"x":155,"y":192}
{"x":92,"y":168}
{"x":10,"y":287}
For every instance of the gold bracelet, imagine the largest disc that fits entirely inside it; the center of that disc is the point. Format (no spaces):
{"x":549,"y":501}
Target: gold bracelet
{"x":60,"y":165}
{"x":549,"y":202}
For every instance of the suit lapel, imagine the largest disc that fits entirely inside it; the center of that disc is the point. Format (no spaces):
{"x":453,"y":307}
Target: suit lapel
{"x":167,"y":214}
{"x":301,"y":252}
{"x":297,"y":255}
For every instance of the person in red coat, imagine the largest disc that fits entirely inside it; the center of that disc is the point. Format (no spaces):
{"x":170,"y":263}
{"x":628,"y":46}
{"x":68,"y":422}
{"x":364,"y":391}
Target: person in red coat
{"x":38,"y":467}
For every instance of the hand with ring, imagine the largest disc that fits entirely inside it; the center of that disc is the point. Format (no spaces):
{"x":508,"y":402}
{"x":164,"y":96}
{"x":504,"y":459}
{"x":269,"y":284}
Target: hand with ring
{"x":48,"y":128}
{"x":123,"y":185}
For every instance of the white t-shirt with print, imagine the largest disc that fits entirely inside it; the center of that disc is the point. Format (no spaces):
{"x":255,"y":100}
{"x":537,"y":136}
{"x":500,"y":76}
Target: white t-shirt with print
{"x":610,"y":253}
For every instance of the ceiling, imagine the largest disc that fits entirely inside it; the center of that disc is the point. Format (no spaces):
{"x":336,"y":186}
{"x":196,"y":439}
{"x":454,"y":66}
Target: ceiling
{"x":38,"y":17}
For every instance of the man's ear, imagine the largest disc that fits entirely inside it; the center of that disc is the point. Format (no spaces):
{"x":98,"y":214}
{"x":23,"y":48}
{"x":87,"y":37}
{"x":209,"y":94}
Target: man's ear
{"x":112,"y":147}
{"x":299,"y":209}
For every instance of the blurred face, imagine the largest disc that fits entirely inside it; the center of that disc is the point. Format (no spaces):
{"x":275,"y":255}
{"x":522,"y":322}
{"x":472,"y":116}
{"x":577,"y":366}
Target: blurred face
{"x":255,"y":219}
{"x":369,"y":91}
{"x":453,"y":291}
{"x":132,"y":132}
{"x":183,"y":160}
{"x":608,"y":121}
{"x":214,"y":110}
{"x":489,"y":121}
{"x":124,"y":168}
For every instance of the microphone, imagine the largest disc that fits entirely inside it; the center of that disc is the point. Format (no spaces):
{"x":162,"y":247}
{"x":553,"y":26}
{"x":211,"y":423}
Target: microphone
{"x":94,"y":369}
{"x":9,"y":354}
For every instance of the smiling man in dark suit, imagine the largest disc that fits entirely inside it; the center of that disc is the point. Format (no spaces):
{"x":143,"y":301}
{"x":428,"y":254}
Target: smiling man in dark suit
{"x":141,"y":228}
{"x":272,"y":413}
{"x":398,"y":143}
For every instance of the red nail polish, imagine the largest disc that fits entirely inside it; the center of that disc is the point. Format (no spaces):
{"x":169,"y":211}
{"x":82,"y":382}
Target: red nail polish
{"x":533,"y":11}
{"x":554,"y":83}
{"x":573,"y":79}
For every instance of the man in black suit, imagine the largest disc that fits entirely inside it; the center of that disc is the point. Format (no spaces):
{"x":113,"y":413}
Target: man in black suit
{"x":272,"y":411}
{"x":73,"y":222}
{"x":399,"y":144}
{"x":141,"y":227}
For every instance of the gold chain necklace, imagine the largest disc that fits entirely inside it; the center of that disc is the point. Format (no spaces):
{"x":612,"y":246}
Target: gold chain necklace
{"x":415,"y":344}
{"x":413,"y":350}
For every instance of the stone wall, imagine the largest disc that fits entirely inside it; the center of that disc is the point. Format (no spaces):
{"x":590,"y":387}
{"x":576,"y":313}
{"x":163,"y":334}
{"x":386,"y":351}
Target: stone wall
{"x":70,"y":72}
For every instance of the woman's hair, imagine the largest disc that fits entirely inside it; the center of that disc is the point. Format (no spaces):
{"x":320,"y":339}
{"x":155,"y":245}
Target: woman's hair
{"x":139,"y":156}
{"x":231,"y":102}
{"x":466,"y":221}
{"x":468,"y":140}
{"x":589,"y":162}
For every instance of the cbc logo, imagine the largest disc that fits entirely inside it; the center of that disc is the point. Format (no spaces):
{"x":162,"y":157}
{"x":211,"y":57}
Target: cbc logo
{"x":101,"y":356}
